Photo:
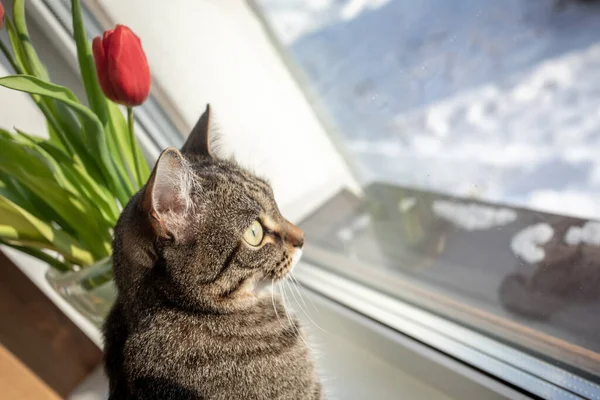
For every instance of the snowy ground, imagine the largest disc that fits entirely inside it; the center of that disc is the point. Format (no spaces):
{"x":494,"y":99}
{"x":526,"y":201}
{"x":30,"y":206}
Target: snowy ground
{"x":495,"y":99}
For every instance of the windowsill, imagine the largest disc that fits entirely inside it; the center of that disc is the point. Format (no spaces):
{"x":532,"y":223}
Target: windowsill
{"x":358,"y":358}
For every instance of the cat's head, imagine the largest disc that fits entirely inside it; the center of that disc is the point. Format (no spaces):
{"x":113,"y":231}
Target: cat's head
{"x":210,"y":230}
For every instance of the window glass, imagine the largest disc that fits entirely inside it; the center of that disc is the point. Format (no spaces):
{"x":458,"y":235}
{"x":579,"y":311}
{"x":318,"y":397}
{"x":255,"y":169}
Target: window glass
{"x":475,"y":128}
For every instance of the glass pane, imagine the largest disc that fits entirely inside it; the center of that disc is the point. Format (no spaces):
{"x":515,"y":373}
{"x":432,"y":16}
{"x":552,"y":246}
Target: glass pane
{"x":474,"y":127}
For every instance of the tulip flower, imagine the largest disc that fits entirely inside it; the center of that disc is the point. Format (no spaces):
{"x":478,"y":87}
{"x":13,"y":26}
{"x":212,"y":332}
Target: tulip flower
{"x":3,"y":48}
{"x":1,"y":15}
{"x":123,"y":74}
{"x":122,"y":67}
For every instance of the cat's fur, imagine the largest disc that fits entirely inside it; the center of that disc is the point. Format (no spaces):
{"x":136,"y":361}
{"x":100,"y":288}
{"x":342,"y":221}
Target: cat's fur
{"x":190,"y":321}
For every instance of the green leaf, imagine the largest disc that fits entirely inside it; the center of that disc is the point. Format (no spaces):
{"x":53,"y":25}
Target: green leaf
{"x":21,"y":196}
{"x":31,"y":143}
{"x":77,"y":215}
{"x":54,"y":136}
{"x":96,"y":194}
{"x":34,"y":85}
{"x":58,"y":125}
{"x":85,"y":223}
{"x":56,"y":119}
{"x":10,"y":58}
{"x":120,"y":148}
{"x":95,"y":137}
{"x":64,"y":125}
{"x":87,"y":66}
{"x":75,"y":178}
{"x":16,"y":156}
{"x":39,"y":254}
{"x":26,"y":199}
{"x":32,"y":62}
{"x":15,"y":43}
{"x":143,"y":164}
{"x":19,"y":227}
{"x":140,"y":164}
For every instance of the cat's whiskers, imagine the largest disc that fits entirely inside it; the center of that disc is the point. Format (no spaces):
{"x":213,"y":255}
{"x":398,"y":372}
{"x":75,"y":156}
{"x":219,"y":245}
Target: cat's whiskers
{"x":284,"y":300}
{"x":291,"y":282}
{"x":299,"y":285}
{"x":289,"y":289}
{"x":294,"y":327}
{"x":273,"y":302}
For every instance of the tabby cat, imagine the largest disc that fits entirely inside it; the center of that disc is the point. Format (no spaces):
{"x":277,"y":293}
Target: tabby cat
{"x":193,"y":251}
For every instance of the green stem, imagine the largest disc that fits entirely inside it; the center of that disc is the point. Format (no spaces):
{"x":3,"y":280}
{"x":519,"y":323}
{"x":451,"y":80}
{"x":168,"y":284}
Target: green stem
{"x":10,"y":58}
{"x":17,"y":49}
{"x":87,"y":67}
{"x":136,"y":162}
{"x":36,"y":66}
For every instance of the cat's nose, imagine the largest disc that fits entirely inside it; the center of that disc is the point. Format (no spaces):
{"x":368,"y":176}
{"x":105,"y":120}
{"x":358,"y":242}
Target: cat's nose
{"x":294,"y":235}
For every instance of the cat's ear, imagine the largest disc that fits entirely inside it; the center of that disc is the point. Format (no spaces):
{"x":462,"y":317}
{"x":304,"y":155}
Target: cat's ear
{"x":166,"y":197}
{"x":198,"y":142}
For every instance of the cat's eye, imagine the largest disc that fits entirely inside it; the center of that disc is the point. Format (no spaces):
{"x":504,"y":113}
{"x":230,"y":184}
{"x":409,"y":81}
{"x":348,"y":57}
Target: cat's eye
{"x":254,"y":234}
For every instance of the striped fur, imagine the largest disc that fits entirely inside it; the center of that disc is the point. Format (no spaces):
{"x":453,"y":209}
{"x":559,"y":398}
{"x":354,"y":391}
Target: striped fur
{"x":190,"y":321}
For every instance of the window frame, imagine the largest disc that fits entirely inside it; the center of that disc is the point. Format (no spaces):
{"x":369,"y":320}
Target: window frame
{"x":506,"y":363}
{"x":451,"y":376}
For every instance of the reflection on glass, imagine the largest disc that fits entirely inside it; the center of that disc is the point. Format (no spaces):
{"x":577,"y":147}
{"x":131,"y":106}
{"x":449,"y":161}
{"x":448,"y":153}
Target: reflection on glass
{"x":526,"y":277}
{"x":482,"y":119}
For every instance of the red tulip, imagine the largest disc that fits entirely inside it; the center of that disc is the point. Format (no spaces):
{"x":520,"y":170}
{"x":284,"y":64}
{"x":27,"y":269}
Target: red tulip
{"x":122,"y":67}
{"x":1,"y":15}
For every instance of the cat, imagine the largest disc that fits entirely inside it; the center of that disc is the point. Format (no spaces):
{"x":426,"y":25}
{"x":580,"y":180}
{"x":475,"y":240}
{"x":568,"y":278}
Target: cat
{"x":193,"y":251}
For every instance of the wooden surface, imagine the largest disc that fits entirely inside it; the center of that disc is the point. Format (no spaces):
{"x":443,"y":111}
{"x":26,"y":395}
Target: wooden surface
{"x":42,"y":350}
{"x":19,"y":382}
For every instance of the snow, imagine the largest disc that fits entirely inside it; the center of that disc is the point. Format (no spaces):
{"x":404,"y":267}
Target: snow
{"x":527,"y":243}
{"x":473,"y":216}
{"x":588,"y":234}
{"x":498,"y":100}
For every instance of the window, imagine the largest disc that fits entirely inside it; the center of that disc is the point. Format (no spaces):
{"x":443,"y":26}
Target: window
{"x":473,"y":127}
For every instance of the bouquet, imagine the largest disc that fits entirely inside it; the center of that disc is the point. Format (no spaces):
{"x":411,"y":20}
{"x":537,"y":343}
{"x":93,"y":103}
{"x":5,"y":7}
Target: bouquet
{"x":60,"y":196}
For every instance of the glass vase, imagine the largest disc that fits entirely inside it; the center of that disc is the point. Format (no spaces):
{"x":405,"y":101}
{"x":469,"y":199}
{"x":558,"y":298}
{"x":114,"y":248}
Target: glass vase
{"x":91,"y":291}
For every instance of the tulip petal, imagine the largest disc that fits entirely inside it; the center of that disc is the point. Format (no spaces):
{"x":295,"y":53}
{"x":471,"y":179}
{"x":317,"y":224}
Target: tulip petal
{"x":106,"y":40}
{"x":107,"y":34}
{"x":128,"y":69}
{"x":98,"y":49}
